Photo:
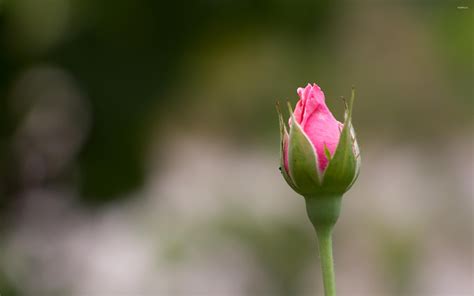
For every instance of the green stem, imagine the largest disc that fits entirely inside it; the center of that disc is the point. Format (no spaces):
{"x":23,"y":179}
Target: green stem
{"x":327,"y":263}
{"x":323,"y":211}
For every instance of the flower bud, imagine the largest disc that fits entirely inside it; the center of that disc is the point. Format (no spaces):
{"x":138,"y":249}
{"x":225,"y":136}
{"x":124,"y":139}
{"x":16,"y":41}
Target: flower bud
{"x":319,"y":156}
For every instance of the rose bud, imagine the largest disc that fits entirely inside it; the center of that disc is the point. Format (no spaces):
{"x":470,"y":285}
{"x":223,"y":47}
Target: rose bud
{"x":320,"y":160}
{"x":319,"y":156}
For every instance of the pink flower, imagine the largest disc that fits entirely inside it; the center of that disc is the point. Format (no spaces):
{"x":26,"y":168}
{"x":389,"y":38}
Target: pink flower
{"x":320,"y":160}
{"x":317,"y":122}
{"x":319,"y":156}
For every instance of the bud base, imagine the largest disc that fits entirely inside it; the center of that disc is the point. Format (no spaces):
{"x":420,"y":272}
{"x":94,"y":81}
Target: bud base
{"x":323,"y":211}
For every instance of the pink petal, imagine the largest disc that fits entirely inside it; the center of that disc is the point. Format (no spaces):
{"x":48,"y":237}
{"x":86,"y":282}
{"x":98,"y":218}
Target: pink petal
{"x":317,"y":122}
{"x":323,"y":130}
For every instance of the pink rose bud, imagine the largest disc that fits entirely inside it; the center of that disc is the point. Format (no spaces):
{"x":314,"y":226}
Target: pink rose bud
{"x":320,"y":155}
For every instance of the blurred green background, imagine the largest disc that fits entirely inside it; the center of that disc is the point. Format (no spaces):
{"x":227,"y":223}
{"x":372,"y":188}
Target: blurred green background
{"x":139,"y":146}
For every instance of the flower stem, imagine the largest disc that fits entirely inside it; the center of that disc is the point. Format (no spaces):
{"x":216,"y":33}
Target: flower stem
{"x":323,"y":211}
{"x":327,"y":263}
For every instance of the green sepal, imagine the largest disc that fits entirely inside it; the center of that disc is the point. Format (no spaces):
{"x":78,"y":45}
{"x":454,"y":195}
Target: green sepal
{"x":327,"y":152}
{"x":342,"y":169}
{"x":357,"y":156}
{"x":283,"y":138}
{"x":302,"y":160}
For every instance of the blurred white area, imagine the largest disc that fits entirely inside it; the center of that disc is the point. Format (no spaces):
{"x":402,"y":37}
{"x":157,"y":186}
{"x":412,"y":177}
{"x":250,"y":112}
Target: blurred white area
{"x":169,"y":242}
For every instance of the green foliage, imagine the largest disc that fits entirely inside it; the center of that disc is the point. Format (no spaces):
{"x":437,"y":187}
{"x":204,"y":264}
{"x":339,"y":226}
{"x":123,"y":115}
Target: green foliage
{"x":127,"y":57}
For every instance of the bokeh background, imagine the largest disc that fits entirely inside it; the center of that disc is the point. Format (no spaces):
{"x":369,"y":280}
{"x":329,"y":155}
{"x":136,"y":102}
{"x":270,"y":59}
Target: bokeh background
{"x":139,"y":146}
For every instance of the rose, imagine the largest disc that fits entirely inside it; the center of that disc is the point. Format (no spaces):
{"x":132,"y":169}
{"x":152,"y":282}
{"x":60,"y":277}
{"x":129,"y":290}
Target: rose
{"x":320,"y":160}
{"x":320,"y":155}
